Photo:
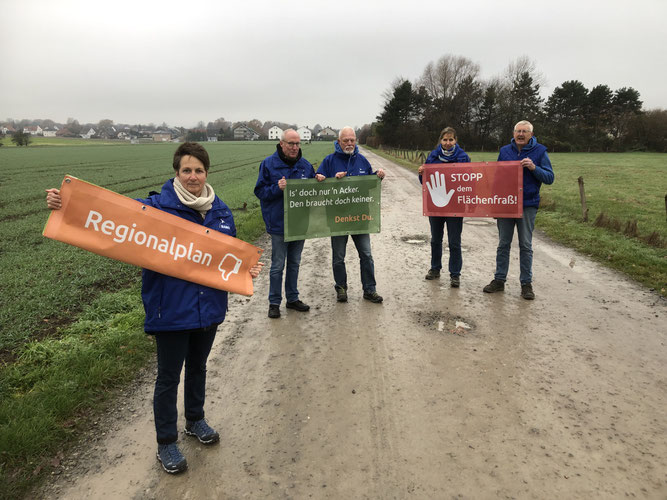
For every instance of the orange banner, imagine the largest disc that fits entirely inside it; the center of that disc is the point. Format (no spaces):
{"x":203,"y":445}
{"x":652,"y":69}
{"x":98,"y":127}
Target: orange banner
{"x":110,"y":224}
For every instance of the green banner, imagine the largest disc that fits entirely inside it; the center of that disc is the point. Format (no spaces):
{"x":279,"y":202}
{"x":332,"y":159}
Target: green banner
{"x":333,"y":207}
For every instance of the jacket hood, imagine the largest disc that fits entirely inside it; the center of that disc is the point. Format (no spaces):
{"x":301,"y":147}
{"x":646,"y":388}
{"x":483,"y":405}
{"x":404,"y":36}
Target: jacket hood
{"x":531,"y":144}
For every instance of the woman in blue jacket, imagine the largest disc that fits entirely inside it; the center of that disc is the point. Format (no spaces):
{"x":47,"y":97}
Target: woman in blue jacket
{"x":448,"y":151}
{"x":183,"y":316}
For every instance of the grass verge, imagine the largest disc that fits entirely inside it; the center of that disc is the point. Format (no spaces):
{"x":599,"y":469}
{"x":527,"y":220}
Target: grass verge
{"x":54,"y":382}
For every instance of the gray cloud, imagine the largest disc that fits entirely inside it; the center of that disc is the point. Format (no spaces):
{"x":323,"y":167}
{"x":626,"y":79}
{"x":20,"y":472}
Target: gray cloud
{"x":149,"y":61}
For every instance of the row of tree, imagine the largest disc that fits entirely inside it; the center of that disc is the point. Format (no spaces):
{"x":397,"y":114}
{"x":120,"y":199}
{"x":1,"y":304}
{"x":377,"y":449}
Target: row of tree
{"x":221,"y":129}
{"x":450,"y":92}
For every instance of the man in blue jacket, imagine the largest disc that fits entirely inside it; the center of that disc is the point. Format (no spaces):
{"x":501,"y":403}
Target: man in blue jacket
{"x":286,"y":163}
{"x":346,"y":160}
{"x":536,"y":170}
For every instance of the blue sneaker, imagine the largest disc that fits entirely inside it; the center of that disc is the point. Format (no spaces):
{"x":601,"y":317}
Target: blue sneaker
{"x":171,"y":458}
{"x":202,"y":431}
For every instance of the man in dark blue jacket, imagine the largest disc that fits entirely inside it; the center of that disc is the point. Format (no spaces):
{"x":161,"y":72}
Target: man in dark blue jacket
{"x":536,"y":170}
{"x":286,"y":163}
{"x":346,"y":160}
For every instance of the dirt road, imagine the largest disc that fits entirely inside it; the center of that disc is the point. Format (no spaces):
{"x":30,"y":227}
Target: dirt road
{"x":561,"y":397}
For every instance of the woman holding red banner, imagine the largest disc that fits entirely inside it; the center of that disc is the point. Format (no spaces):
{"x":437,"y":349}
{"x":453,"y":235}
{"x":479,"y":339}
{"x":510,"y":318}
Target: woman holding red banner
{"x":183,"y":316}
{"x":448,"y":151}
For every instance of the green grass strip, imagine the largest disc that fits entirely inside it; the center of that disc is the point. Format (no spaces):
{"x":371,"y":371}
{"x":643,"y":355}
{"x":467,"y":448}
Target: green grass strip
{"x":55,"y":381}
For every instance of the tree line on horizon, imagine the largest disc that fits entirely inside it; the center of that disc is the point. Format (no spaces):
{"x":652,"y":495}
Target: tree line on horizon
{"x":220,"y":128}
{"x":451,"y":93}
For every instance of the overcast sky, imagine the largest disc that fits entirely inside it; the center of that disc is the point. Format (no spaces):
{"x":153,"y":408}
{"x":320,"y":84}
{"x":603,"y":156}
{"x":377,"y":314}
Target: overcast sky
{"x":302,"y":62}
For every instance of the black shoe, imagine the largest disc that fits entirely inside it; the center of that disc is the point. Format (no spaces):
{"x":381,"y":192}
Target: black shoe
{"x":171,"y":458}
{"x":202,"y":431}
{"x":341,"y":293}
{"x":274,"y":311}
{"x":455,"y":281}
{"x":298,"y":306}
{"x":495,"y":286}
{"x":373,"y":297}
{"x":527,"y":291}
{"x":432,"y":274}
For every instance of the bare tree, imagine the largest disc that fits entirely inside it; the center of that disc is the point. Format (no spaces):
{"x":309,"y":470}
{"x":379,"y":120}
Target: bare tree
{"x":442,"y":78}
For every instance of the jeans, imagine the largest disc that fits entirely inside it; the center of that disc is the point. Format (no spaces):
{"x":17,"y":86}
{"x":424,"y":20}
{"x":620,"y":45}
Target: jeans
{"x":363,"y":244}
{"x":174,"y":348}
{"x":454,"y":230}
{"x":282,"y":250}
{"x":524,"y":228}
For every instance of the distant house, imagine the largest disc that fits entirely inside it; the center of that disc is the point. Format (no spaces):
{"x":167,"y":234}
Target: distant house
{"x":212,"y":138}
{"x":49,"y":132}
{"x":245,"y":133}
{"x":7,"y":129}
{"x":275,"y":133}
{"x":87,"y":135}
{"x":161,"y":136}
{"x":33,"y":130}
{"x":327,"y":134}
{"x":304,"y":133}
{"x":124,"y":135}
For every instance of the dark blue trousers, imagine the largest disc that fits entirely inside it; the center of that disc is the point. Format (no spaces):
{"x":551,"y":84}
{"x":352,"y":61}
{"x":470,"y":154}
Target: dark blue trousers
{"x":191,"y":347}
{"x":454,"y":230}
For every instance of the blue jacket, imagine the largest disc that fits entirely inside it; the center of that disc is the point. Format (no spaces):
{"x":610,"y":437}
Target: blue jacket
{"x":532,"y":181}
{"x":338,"y":161}
{"x":271,"y":170}
{"x":458,"y":156}
{"x":173,"y":304}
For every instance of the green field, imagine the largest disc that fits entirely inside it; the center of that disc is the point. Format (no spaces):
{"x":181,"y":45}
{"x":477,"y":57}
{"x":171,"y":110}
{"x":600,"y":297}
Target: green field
{"x":626,"y":187}
{"x":71,"y":322}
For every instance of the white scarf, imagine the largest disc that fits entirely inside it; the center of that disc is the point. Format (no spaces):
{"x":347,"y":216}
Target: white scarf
{"x":201,"y":204}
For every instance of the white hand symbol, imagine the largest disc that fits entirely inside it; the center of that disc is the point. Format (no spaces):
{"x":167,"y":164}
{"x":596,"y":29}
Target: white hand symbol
{"x":224,"y":269}
{"x":437,"y":188}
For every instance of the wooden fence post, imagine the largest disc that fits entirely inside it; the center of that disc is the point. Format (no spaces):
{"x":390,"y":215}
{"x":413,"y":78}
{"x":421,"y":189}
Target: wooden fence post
{"x":582,"y":195}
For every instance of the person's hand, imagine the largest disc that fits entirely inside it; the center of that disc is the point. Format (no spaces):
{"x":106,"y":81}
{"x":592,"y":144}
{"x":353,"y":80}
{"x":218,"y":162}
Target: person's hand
{"x":254,"y":270}
{"x":528,"y":163}
{"x":438,"y":190}
{"x":319,"y":177}
{"x":282,"y":183}
{"x":380,"y":173}
{"x":421,"y":170}
{"x":340,"y":175}
{"x":53,"y":199}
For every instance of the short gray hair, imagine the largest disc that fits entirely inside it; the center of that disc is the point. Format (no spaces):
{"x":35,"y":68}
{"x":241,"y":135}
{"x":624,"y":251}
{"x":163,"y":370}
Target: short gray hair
{"x":282,"y":136}
{"x":526,"y":123}
{"x":347,"y":127}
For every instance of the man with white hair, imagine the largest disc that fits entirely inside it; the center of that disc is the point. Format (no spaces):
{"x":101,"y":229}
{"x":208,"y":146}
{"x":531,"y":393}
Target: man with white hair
{"x":286,"y":163}
{"x":536,"y":170}
{"x":347,"y":161}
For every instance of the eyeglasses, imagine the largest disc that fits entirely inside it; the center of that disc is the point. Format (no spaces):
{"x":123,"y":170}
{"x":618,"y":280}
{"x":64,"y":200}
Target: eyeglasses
{"x":523,"y":131}
{"x":347,"y":140}
{"x":292,"y":144}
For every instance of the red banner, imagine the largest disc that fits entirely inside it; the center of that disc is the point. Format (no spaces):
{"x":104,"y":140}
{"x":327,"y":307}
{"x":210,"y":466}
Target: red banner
{"x":110,"y":224}
{"x":482,"y":189}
